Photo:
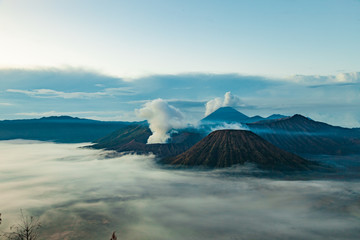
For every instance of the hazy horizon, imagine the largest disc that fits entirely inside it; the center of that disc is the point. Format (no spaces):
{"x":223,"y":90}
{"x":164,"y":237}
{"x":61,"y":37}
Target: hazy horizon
{"x":30,"y":94}
{"x":105,"y":60}
{"x":82,"y":194}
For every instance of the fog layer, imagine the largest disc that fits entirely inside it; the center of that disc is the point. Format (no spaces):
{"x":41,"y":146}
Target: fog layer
{"x":83,"y":194}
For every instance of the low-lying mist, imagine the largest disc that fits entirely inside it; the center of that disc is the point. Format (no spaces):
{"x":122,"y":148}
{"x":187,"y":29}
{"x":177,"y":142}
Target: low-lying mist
{"x":80,"y":193}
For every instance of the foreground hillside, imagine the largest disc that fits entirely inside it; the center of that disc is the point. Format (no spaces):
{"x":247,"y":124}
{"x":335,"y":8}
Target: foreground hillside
{"x":224,"y":148}
{"x":133,"y":139}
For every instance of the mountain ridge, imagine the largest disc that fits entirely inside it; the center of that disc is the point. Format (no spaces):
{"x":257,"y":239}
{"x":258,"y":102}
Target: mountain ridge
{"x":302,"y":135}
{"x":231,"y":115}
{"x":63,"y":129}
{"x":133,"y":139}
{"x":225,"y":148}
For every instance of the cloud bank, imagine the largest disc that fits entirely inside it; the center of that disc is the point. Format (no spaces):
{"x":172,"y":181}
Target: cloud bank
{"x":5,"y":104}
{"x":139,"y":200}
{"x":349,"y":77}
{"x":229,"y":100}
{"x":162,"y":118}
{"x":49,"y":93}
{"x":322,"y":97}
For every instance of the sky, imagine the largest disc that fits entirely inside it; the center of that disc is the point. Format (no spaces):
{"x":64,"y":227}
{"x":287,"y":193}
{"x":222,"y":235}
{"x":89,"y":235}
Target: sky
{"x":103,"y":59}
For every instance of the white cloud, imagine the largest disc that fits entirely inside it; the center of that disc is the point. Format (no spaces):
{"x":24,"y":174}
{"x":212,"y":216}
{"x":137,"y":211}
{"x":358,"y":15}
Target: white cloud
{"x":351,"y":77}
{"x":53,"y":113}
{"x":162,"y":117}
{"x":95,"y":115}
{"x":6,"y":104}
{"x":151,"y":202}
{"x":49,"y":93}
{"x":348,"y":77}
{"x":229,"y":100}
{"x":212,"y":105}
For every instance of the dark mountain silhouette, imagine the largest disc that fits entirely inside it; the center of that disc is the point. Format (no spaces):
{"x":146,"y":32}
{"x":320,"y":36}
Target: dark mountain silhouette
{"x":135,"y":132}
{"x":275,"y":116}
{"x":63,"y":129}
{"x":225,"y":114}
{"x":224,"y":148}
{"x":63,"y":119}
{"x":270,"y":118}
{"x":297,"y":134}
{"x":231,"y":115}
{"x":301,"y":135}
{"x":134,"y":138}
{"x":255,"y":119}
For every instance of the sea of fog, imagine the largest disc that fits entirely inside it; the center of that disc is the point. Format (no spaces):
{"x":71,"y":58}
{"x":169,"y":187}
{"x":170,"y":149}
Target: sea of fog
{"x":81,"y":193}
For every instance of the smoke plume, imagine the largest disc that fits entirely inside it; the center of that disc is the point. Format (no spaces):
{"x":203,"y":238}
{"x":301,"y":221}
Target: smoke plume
{"x":224,"y":126}
{"x":162,"y":117}
{"x":229,"y":100}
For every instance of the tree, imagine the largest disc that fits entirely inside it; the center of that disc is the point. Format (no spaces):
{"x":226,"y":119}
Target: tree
{"x":26,"y":229}
{"x":113,"y":236}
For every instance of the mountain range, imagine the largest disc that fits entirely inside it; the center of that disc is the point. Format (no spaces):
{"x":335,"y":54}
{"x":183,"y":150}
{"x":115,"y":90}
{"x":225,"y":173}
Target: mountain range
{"x":225,"y":148}
{"x":231,"y":115}
{"x":270,"y":142}
{"x":301,"y":135}
{"x":63,"y":129}
{"x":133,"y":138}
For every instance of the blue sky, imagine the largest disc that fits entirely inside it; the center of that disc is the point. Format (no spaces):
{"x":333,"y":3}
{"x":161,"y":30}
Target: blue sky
{"x":102,"y":59}
{"x":141,"y":37}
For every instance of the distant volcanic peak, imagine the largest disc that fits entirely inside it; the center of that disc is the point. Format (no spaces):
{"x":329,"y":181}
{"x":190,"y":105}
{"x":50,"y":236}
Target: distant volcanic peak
{"x":293,"y":120}
{"x":299,"y":134}
{"x":60,"y":118}
{"x":255,"y":119}
{"x":226,"y":109}
{"x":225,"y":114}
{"x":305,"y":122}
{"x":224,"y":148}
{"x":299,"y":117}
{"x":230,"y":110}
